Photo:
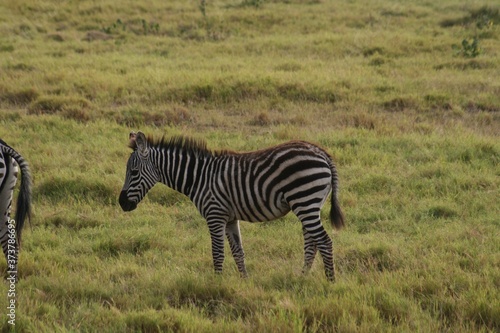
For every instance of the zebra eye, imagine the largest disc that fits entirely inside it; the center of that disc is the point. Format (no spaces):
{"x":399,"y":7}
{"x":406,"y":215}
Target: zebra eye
{"x":134,"y":172}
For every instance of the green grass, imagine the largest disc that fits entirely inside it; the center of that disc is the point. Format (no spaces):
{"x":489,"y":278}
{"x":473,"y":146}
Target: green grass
{"x":413,"y":126}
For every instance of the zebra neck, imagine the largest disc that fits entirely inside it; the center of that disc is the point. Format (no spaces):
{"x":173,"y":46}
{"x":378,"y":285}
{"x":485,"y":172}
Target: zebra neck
{"x":181,"y":169}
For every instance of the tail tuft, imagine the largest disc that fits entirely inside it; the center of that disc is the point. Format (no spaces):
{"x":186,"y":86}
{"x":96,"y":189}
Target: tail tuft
{"x":336,"y":215}
{"x":23,"y":210}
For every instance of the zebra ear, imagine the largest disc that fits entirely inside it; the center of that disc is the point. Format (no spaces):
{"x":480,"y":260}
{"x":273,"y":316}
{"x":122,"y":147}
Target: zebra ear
{"x":141,"y":144}
{"x":131,"y":140}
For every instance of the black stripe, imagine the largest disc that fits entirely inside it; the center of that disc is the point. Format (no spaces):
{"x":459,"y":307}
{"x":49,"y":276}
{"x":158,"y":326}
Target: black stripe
{"x":288,"y":172}
{"x":304,"y":193}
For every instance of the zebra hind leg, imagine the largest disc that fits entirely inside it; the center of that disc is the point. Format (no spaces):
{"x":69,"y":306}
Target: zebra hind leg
{"x":234,"y":237}
{"x":310,"y":250}
{"x":311,"y":223}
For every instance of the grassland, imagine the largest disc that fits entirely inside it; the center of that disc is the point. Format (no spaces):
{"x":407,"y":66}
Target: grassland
{"x":412,"y":122}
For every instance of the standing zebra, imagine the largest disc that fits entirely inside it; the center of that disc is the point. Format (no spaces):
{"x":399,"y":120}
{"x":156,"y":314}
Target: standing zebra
{"x":227,"y":187}
{"x":10,"y":237}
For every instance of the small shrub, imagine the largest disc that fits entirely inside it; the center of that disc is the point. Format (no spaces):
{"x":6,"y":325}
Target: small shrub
{"x":468,"y":49}
{"x":150,"y":28}
{"x":481,"y":18}
{"x":118,"y":25}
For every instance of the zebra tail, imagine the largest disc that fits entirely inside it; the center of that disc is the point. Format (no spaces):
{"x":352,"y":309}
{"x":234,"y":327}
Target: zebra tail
{"x":336,"y":215}
{"x":23,"y":209}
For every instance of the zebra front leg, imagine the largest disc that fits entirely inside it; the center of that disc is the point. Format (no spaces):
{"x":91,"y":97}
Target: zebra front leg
{"x":234,"y":237}
{"x":216,"y":229}
{"x":310,"y":250}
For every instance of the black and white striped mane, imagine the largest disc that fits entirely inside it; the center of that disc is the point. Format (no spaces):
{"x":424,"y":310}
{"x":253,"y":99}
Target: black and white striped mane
{"x":197,"y":147}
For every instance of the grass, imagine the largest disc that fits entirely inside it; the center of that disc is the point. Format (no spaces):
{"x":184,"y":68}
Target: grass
{"x":413,"y":127}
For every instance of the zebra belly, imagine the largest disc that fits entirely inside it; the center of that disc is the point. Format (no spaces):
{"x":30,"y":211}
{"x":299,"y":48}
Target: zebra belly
{"x":262,"y":211}
{"x":277,"y":215}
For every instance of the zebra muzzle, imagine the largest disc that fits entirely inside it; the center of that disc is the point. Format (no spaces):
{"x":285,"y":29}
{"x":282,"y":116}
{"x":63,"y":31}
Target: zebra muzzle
{"x":125,"y":203}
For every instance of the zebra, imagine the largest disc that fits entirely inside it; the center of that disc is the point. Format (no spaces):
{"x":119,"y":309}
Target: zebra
{"x":227,"y":187}
{"x":10,"y":235}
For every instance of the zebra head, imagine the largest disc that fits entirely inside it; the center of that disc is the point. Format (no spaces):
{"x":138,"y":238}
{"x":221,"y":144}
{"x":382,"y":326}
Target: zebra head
{"x":141,"y":174}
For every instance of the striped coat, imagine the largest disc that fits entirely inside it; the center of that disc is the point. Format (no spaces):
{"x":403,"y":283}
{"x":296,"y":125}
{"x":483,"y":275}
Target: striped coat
{"x":227,"y":187}
{"x":11,"y":230}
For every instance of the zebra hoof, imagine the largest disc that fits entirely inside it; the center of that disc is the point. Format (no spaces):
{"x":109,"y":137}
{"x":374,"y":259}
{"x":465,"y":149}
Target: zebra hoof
{"x":330,"y":277}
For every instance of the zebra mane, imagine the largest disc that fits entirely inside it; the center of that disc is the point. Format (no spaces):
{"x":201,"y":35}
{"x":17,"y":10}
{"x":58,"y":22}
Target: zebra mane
{"x":195,"y":146}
